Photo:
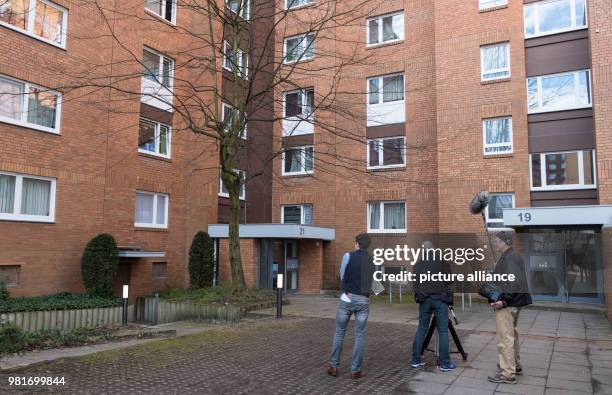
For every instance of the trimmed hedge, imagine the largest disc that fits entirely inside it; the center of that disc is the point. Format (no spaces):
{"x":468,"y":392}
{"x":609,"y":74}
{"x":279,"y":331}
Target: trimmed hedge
{"x":99,"y":265}
{"x":61,"y":301}
{"x":201,"y":261}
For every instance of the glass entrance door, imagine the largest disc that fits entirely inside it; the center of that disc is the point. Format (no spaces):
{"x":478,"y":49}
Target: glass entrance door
{"x":564,"y":265}
{"x":278,"y":256}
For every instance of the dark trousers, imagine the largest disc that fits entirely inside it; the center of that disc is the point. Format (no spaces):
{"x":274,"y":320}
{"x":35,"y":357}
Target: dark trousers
{"x":440,"y":311}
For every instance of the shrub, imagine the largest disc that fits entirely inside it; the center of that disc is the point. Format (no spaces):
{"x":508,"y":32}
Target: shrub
{"x":62,"y":301}
{"x":99,"y":265}
{"x":13,"y":339}
{"x":201,"y":260}
{"x":4,"y":293}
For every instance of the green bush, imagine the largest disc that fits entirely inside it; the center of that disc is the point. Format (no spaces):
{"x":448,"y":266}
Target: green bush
{"x":99,"y":265}
{"x":201,"y":261}
{"x":62,"y":301}
{"x":13,"y":339}
{"x":4,"y":293}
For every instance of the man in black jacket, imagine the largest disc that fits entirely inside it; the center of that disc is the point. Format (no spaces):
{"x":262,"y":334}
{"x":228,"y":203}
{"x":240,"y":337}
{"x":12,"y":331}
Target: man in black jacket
{"x":356,"y":275}
{"x":433,"y":297}
{"x":515,"y":295}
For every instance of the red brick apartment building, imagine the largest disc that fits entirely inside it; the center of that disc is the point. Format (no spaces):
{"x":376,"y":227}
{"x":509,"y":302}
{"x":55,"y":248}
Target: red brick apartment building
{"x":451,"y":97}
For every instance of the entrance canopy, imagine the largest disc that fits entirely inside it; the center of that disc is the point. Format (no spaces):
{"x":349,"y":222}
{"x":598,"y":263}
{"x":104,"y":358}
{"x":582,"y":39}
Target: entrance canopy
{"x":559,"y":216}
{"x":274,"y":231}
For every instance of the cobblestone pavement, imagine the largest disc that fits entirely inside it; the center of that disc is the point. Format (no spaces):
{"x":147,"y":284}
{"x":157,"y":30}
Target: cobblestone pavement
{"x":562,"y":353}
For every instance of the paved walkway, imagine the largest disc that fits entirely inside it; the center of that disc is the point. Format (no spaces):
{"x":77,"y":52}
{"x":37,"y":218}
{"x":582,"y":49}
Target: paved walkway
{"x":563,"y":353}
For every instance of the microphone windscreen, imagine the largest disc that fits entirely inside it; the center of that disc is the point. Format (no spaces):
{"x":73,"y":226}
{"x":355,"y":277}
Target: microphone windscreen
{"x":479,"y":202}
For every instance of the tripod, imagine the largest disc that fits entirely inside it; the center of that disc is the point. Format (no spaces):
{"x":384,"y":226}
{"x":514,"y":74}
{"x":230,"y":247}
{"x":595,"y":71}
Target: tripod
{"x":452,"y":331}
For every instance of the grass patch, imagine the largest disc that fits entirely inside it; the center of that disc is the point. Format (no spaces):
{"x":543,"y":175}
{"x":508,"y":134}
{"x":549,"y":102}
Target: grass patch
{"x":219,"y":294}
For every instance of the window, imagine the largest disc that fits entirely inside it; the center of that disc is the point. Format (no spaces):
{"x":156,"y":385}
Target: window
{"x":386,"y":217}
{"x":385,"y":100}
{"x":231,"y":62}
{"x":157,"y":68}
{"x":557,"y":92}
{"x":494,"y":61}
{"x":297,"y":214}
{"x":243,"y":8}
{"x":556,"y":16}
{"x":386,"y":28}
{"x":164,"y":8}
{"x":298,"y":160}
{"x":299,"y":48}
{"x":385,"y":89}
{"x":158,"y":270}
{"x":154,"y":138}
{"x":386,"y":152}
{"x":227,"y":116}
{"x":297,"y":3}
{"x":497,"y":135}
{"x":563,"y":170}
{"x":151,"y":210}
{"x":223,"y":192}
{"x":29,"y":105}
{"x":9,"y":275}
{"x":27,"y":198}
{"x":299,"y":107}
{"x":41,"y":19}
{"x":486,"y":4}
{"x":494,"y":212}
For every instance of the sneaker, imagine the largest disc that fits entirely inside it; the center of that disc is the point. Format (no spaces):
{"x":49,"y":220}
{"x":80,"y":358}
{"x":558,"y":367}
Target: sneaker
{"x":500,"y":378}
{"x":417,"y":364}
{"x":519,"y":370}
{"x":447,"y":367}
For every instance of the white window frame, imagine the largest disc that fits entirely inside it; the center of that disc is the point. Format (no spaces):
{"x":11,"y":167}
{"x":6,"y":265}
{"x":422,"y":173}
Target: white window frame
{"x":543,"y":176}
{"x":496,"y":220}
{"x":303,"y":170}
{"x":242,"y":195}
{"x":163,"y":8}
{"x":382,"y":216}
{"x":576,"y":87}
{"x":303,"y":46}
{"x":503,"y":69}
{"x":24,"y":107}
{"x":380,"y":93}
{"x":155,"y":199}
{"x":241,"y":61}
{"x":16,"y":215}
{"x":536,"y":15}
{"x":495,"y":145}
{"x":302,"y":213}
{"x":31,"y":20}
{"x":482,"y":4}
{"x":307,"y":3}
{"x":159,"y":79}
{"x":158,"y":126}
{"x":380,"y":29}
{"x":380,"y":156}
{"x":245,"y":9}
{"x":244,"y":133}
{"x":304,"y":94}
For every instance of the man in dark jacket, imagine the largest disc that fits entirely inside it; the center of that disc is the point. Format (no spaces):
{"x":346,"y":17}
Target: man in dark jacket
{"x":433,"y":297}
{"x":515,"y":295}
{"x":356,"y":274}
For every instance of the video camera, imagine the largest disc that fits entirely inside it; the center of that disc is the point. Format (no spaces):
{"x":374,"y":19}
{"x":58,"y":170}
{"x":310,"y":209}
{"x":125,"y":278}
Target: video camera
{"x":492,"y":292}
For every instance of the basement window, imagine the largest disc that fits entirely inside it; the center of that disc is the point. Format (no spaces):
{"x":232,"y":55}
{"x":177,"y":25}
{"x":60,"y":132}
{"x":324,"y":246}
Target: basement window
{"x":9,"y":275}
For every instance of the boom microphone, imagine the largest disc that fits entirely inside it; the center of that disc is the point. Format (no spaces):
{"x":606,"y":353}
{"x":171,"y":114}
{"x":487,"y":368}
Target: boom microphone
{"x":479,"y":202}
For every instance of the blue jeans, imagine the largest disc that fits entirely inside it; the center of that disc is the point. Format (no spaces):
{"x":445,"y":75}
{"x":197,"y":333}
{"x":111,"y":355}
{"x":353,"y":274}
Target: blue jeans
{"x":359,"y":306}
{"x":440,"y":312}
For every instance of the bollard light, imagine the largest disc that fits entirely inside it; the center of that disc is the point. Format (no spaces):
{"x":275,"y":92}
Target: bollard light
{"x":279,"y":296}
{"x":126,"y":293}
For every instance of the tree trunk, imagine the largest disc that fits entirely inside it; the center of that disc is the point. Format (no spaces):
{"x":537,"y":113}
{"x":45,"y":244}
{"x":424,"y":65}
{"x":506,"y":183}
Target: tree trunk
{"x":238,"y":284}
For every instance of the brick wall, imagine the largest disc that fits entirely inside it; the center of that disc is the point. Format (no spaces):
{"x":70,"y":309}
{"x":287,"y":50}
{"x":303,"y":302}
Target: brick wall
{"x":311,"y":266}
